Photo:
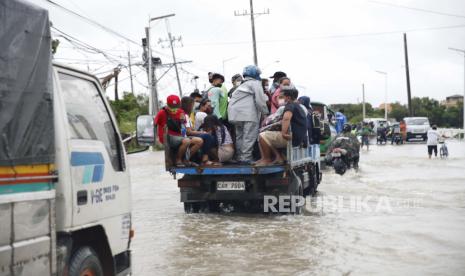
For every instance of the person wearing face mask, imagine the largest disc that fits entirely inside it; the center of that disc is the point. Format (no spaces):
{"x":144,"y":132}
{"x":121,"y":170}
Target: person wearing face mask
{"x":216,"y":95}
{"x":276,"y":77}
{"x":272,"y":141}
{"x":246,"y":108}
{"x":236,"y":80}
{"x":205,"y":109}
{"x":284,"y":81}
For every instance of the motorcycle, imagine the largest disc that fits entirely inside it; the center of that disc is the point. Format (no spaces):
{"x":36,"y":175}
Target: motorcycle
{"x":337,"y":160}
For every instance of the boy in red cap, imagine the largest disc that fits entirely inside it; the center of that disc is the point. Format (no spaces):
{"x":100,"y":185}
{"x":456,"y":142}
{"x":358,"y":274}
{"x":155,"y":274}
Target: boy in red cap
{"x":173,"y":117}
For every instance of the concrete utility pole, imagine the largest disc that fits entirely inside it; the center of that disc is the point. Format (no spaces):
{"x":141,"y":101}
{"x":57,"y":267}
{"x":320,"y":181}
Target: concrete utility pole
{"x":130,"y":72}
{"x":152,"y":93}
{"x":407,"y":72}
{"x":252,"y":21}
{"x":363,"y":102}
{"x":385,"y":93}
{"x":463,"y":102}
{"x":171,"y":41}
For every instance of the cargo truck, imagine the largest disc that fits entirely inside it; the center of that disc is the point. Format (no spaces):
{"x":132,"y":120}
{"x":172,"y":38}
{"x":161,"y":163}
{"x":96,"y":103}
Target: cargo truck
{"x":65,"y":194}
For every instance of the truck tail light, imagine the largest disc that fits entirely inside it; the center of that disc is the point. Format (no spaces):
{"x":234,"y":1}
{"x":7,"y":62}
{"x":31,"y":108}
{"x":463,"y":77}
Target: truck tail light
{"x":131,"y":234}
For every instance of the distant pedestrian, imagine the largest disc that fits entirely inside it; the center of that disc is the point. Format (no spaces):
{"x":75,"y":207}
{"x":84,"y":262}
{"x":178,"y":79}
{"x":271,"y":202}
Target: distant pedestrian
{"x":341,"y":120}
{"x":432,"y":142}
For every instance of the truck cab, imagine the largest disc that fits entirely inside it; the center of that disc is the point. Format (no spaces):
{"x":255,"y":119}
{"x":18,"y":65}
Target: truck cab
{"x":72,"y":216}
{"x":93,"y":205}
{"x":327,"y":117}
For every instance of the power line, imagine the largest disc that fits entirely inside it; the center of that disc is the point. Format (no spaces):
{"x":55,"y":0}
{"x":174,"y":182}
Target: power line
{"x":95,"y":23}
{"x":415,"y":9}
{"x":331,"y":36}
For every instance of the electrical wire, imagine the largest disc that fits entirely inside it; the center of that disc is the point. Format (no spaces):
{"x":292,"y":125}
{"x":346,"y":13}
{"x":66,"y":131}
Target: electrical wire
{"x":331,"y":36}
{"x":93,"y":22}
{"x":415,"y":9}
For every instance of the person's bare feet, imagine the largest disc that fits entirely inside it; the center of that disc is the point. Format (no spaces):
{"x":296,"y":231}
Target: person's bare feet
{"x":263,"y":162}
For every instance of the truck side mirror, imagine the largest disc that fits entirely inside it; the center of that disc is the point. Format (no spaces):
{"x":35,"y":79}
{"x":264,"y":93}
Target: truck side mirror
{"x":145,"y":131}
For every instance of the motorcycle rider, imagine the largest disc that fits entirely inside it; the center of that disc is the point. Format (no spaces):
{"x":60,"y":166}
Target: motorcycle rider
{"x":348,"y":145}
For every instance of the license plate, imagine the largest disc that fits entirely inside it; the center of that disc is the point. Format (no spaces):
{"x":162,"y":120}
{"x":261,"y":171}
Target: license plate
{"x":418,"y":136}
{"x":230,"y":186}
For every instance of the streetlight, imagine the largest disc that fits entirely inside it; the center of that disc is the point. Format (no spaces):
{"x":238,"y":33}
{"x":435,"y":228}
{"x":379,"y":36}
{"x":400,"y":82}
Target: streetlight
{"x":224,"y":61}
{"x":385,"y":92}
{"x":153,"y":95}
{"x":463,"y":102}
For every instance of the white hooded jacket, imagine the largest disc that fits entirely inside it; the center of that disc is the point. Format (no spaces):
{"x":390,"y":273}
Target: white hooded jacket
{"x":248,"y":102}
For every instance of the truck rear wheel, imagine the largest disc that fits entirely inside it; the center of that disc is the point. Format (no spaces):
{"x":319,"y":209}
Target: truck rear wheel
{"x":85,"y":262}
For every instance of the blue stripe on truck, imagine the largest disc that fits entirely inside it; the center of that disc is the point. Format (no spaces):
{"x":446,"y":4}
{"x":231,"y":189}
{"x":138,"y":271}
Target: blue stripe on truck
{"x":86,"y":158}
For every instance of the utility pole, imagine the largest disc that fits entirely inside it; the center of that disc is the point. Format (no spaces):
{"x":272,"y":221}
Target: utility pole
{"x":174,"y":61}
{"x":363,"y":102}
{"x":130,"y":72}
{"x":463,"y":102}
{"x":116,"y":72}
{"x":252,"y":21}
{"x":407,"y":72}
{"x":149,"y":71}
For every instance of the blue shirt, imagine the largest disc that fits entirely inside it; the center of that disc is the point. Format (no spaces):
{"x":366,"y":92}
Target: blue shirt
{"x":341,"y":120}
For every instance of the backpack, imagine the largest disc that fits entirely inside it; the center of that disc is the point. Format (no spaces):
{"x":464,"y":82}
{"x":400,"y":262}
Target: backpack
{"x":172,"y":123}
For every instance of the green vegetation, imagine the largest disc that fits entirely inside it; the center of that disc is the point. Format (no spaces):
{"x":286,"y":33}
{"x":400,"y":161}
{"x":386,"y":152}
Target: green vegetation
{"x":422,"y":107}
{"x":126,"y":111}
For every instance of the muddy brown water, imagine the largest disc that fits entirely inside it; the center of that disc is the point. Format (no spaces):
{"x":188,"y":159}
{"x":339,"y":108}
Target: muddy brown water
{"x":411,"y":220}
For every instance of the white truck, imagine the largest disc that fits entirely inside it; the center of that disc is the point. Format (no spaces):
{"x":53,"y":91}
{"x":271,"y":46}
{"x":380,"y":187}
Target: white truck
{"x":65,"y":194}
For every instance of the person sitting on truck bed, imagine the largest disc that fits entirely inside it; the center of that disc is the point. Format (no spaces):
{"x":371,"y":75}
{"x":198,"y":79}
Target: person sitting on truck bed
{"x":205,"y":109}
{"x":271,"y":141}
{"x":174,"y":118}
{"x":209,"y":142}
{"x":246,"y":108}
{"x":224,"y":141}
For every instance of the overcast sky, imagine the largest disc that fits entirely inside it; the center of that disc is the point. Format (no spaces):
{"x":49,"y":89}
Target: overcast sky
{"x":324,"y":46}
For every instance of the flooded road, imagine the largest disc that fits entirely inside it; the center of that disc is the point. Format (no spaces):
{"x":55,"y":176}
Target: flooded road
{"x":419,"y":228}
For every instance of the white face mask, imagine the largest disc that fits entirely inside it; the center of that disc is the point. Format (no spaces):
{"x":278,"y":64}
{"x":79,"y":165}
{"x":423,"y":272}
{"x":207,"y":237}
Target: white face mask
{"x":196,"y":105}
{"x":266,"y":87}
{"x":237,"y":83}
{"x":281,"y":102}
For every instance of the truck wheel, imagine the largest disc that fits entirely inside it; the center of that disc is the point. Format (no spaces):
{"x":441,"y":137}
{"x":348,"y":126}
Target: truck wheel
{"x":85,"y":262}
{"x":192,"y":207}
{"x":296,"y":190}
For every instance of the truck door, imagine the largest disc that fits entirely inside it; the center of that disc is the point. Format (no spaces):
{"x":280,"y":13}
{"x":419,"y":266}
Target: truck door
{"x":100,"y":181}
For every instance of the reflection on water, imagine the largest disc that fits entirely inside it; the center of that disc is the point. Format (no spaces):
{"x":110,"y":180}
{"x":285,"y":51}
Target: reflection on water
{"x":426,"y":237}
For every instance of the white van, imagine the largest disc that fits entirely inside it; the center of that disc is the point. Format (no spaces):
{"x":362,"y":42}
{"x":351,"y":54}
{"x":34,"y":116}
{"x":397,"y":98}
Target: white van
{"x":417,"y":128}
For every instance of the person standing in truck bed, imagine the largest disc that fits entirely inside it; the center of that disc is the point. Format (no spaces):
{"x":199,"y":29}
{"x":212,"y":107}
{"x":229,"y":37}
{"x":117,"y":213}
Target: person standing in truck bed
{"x":246,"y":108}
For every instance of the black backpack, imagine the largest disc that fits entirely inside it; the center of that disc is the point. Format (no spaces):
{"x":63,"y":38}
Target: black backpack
{"x":171,"y":123}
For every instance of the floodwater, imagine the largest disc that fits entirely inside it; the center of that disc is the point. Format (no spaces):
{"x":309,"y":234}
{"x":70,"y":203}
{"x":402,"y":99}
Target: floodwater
{"x":413,"y":223}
